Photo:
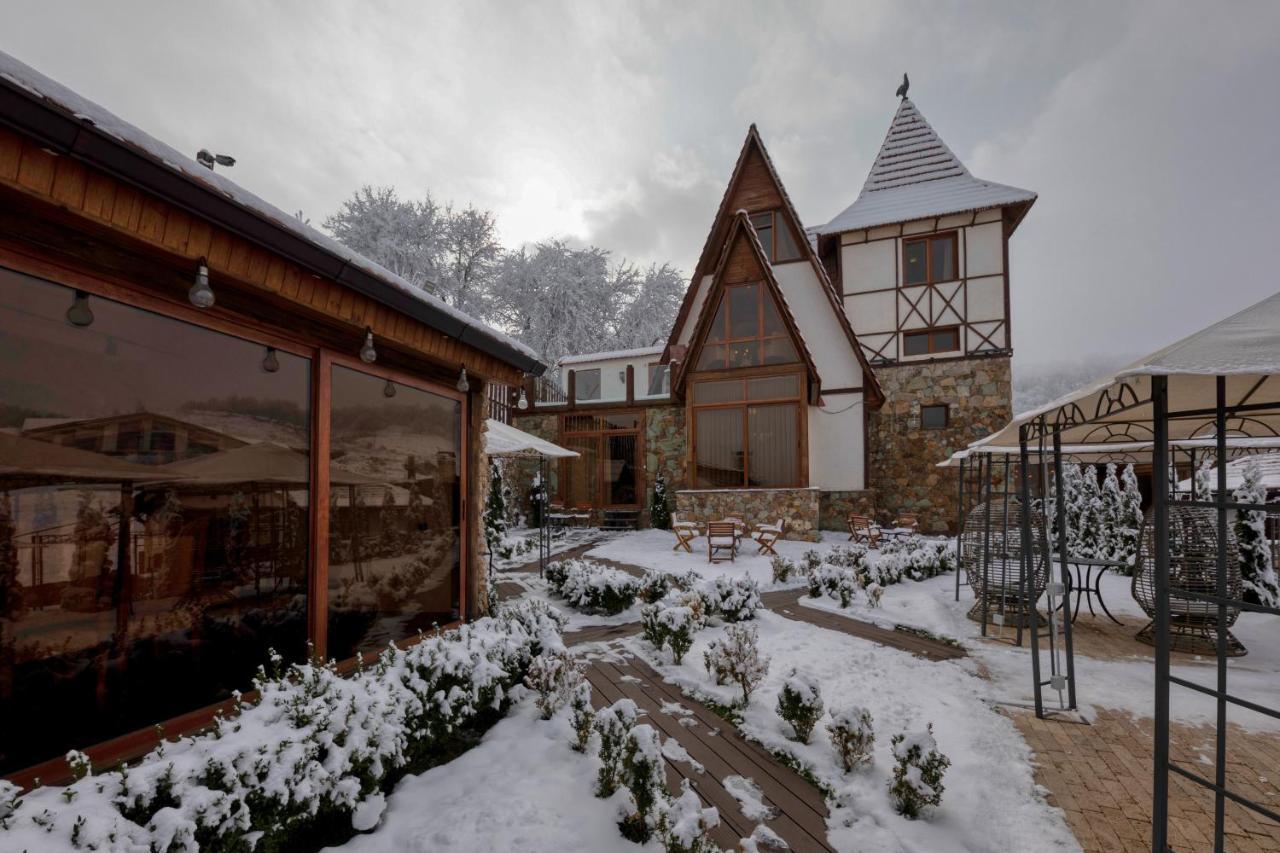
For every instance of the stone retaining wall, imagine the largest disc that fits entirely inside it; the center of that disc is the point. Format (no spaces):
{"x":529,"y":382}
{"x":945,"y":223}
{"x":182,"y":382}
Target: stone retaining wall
{"x":797,"y":507}
{"x":834,"y":508}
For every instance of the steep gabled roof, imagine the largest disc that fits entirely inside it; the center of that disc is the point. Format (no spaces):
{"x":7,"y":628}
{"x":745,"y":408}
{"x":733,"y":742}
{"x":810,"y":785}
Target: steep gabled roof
{"x":916,"y":176}
{"x":753,"y":150}
{"x":740,"y":228}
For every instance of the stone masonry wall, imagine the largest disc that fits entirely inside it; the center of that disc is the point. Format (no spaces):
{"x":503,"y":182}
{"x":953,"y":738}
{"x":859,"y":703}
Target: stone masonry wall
{"x":518,"y":473}
{"x":665,"y":445}
{"x":903,"y":457}
{"x":835,"y":507}
{"x":798,"y":507}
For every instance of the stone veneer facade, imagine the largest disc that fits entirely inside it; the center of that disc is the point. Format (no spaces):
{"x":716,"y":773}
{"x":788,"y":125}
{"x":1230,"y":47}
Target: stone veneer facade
{"x":665,"y":450}
{"x":797,"y":507}
{"x":904,"y":457}
{"x":834,"y":508}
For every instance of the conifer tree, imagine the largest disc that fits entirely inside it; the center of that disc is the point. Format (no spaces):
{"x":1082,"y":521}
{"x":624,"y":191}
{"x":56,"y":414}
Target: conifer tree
{"x":1130,"y":519}
{"x":1111,"y":540}
{"x":1091,"y":528}
{"x":660,"y":511}
{"x":1256,"y":568}
{"x":495,"y":509}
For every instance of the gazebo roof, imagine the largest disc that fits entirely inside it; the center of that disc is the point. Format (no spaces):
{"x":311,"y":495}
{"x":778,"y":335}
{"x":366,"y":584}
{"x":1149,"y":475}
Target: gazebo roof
{"x":25,"y":458}
{"x":504,"y":440}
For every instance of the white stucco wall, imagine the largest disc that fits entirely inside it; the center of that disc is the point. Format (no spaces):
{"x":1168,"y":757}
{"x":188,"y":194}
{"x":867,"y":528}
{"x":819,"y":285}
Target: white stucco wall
{"x":836,"y":443}
{"x":695,"y":311}
{"x":834,"y":358}
{"x":613,"y":380}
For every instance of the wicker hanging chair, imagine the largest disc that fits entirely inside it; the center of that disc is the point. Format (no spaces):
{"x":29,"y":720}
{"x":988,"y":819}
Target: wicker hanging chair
{"x":1001,"y":584}
{"x":1193,"y":566}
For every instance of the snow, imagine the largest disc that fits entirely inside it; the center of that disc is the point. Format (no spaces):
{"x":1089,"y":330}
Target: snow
{"x":521,"y":789}
{"x":88,"y":112}
{"x":750,"y":798}
{"x":651,"y":549}
{"x":609,"y":356}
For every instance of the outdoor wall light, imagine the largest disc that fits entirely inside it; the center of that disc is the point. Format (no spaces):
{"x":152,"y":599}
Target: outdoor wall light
{"x":201,"y":294}
{"x":389,"y":390}
{"x":270,"y":363}
{"x":463,"y":385}
{"x":80,"y":314}
{"x":367,"y":353}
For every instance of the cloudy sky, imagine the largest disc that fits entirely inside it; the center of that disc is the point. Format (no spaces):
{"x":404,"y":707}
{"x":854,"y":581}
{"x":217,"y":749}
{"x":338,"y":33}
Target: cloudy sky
{"x":1149,"y":129}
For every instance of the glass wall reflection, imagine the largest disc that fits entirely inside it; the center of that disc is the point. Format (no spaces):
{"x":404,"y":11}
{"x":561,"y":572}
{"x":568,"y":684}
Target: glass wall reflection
{"x":395,"y":490}
{"x":153,"y":516}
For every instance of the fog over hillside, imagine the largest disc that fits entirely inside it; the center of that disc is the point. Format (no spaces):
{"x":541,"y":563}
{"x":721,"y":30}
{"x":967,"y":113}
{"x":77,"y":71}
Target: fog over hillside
{"x":1038,"y":383}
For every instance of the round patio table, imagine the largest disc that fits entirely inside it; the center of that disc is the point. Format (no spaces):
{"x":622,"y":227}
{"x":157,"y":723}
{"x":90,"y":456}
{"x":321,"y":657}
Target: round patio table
{"x":1086,"y":580}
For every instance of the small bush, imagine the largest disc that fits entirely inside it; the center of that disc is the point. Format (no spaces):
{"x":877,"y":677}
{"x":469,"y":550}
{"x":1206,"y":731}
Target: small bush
{"x":734,"y":599}
{"x":782,"y":569}
{"x":737,"y":659}
{"x":800,"y":704}
{"x":917,"y":774}
{"x":685,"y":823}
{"x":668,"y":623}
{"x":555,"y":677}
{"x":613,"y":724}
{"x":852,"y":736}
{"x":644,"y":776}
{"x":582,"y":717}
{"x":588,"y":585}
{"x":836,"y":582}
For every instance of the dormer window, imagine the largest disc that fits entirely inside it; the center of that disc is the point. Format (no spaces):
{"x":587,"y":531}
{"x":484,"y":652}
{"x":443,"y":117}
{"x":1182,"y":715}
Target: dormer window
{"x":927,"y":260}
{"x":775,"y":237}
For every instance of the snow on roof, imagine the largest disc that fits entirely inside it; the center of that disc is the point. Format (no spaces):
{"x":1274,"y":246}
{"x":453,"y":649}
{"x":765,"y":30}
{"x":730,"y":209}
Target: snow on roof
{"x":90,"y":113}
{"x":915,"y":176}
{"x":609,"y":356}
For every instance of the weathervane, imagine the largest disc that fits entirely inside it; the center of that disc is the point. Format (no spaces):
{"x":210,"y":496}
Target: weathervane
{"x":906,"y":84}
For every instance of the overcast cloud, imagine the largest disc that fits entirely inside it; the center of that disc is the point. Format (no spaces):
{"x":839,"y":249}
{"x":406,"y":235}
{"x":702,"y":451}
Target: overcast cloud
{"x":1150,"y":130}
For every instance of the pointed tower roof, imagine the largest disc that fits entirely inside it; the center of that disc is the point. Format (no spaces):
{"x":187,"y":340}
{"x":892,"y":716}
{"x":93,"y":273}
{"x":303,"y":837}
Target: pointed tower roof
{"x":916,"y":176}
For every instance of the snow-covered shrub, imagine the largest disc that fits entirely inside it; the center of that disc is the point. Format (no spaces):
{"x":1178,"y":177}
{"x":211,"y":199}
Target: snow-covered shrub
{"x":316,"y":751}
{"x":737,"y":659}
{"x":539,"y":621}
{"x":734,"y":599}
{"x":1256,"y":570}
{"x":495,"y":509}
{"x":657,"y":584}
{"x":589,"y":585}
{"x":782,"y":568}
{"x":810,"y":560}
{"x":685,"y":823}
{"x":874,"y":593}
{"x":554,"y":677}
{"x":835,"y":582}
{"x":912,"y":559}
{"x":669,"y":623}
{"x":917,"y":773}
{"x":800,"y":704}
{"x":613,"y":724}
{"x":644,"y":777}
{"x":852,"y":736}
{"x":581,"y":716}
{"x":849,"y":557}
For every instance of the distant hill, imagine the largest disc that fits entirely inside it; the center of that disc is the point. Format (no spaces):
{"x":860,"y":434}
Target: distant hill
{"x":1037,"y":384}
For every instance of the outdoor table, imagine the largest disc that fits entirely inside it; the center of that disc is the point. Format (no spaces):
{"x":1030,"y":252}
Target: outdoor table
{"x":739,"y":530}
{"x":1087,"y":584}
{"x":896,"y":532}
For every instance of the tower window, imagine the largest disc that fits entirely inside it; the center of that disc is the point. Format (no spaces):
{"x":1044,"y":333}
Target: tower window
{"x":935,"y":417}
{"x":926,"y":260}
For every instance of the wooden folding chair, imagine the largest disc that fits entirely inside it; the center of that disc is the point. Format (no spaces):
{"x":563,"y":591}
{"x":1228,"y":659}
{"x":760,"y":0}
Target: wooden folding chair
{"x":721,"y":536}
{"x":862,"y":530}
{"x":685,"y":531}
{"x":767,"y":535}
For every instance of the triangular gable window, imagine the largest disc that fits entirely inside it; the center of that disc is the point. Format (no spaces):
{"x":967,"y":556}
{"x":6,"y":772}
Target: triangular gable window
{"x":747,"y":331}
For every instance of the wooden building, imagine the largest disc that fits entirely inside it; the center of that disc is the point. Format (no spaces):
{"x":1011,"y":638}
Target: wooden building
{"x":221,"y":433}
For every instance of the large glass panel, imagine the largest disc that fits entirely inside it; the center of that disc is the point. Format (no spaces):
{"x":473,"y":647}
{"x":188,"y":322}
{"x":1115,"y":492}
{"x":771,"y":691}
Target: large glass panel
{"x":587,"y":384}
{"x":744,"y":310}
{"x":153,"y":516}
{"x":787,"y":248}
{"x":722,"y":391}
{"x":916,"y":262}
{"x":773,"y":324}
{"x":773,"y":387}
{"x":744,"y":354}
{"x":943,"y":260}
{"x":620,"y":469}
{"x":720,"y":323}
{"x":719,"y":453}
{"x":780,"y":351}
{"x":659,"y":380}
{"x":582,"y":479}
{"x":713,"y":357}
{"x":395,"y":491}
{"x":772,"y":442}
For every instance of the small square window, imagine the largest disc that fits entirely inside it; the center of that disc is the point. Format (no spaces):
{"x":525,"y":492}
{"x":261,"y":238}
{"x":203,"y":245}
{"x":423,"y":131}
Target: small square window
{"x":928,"y":341}
{"x":587,"y":384}
{"x":935,"y":417}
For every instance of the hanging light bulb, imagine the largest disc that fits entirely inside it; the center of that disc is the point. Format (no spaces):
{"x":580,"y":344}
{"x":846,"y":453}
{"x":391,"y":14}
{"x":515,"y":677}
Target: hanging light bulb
{"x":80,"y":314}
{"x":367,"y":353}
{"x":270,"y":362}
{"x":201,"y":294}
{"x":463,"y":385}
{"x":389,"y":390}
{"x":523,"y":402}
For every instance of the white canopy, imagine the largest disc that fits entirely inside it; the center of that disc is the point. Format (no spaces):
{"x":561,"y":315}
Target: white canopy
{"x":1244,"y":348}
{"x":1119,"y":451}
{"x":504,"y":440}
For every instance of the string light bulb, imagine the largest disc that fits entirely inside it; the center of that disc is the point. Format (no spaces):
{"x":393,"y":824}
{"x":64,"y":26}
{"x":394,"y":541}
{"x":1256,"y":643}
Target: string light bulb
{"x":367,"y":353}
{"x":271,"y":362}
{"x":389,"y":390}
{"x":80,"y":314}
{"x":201,"y":294}
{"x":463,"y":385}
{"x":522,"y":403}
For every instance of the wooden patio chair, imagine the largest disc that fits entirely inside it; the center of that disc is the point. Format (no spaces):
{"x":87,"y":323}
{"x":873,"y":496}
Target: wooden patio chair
{"x":862,"y":530}
{"x":767,"y":535}
{"x":685,"y":531}
{"x":905,"y":525}
{"x":721,"y":536}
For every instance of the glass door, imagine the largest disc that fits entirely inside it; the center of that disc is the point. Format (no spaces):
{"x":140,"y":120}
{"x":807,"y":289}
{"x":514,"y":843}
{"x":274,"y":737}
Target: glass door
{"x":620,"y":473}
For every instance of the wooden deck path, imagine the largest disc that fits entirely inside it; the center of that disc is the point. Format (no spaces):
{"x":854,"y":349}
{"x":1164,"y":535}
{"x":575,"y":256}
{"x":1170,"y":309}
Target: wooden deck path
{"x":798,"y":809}
{"x":787,"y":603}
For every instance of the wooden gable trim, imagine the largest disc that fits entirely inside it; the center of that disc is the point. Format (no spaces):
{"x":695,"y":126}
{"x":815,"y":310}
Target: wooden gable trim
{"x":82,"y":192}
{"x":753,"y":142}
{"x":740,"y":227}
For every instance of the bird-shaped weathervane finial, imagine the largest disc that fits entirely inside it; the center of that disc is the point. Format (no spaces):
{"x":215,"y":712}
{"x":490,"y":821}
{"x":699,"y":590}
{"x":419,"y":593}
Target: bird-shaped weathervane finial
{"x":906,"y":84}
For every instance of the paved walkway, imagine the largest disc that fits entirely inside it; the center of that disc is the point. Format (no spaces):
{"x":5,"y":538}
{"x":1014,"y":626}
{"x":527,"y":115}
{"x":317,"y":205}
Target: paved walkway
{"x":798,"y":810}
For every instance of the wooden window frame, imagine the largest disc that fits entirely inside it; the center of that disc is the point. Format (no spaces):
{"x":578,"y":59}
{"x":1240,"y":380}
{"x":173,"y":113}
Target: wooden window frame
{"x":599,"y":434}
{"x":931,"y":333}
{"x":802,"y":421}
{"x":771,"y":250}
{"x":762,"y":288}
{"x":928,"y":240}
{"x":946,"y":415}
{"x":134,"y":744}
